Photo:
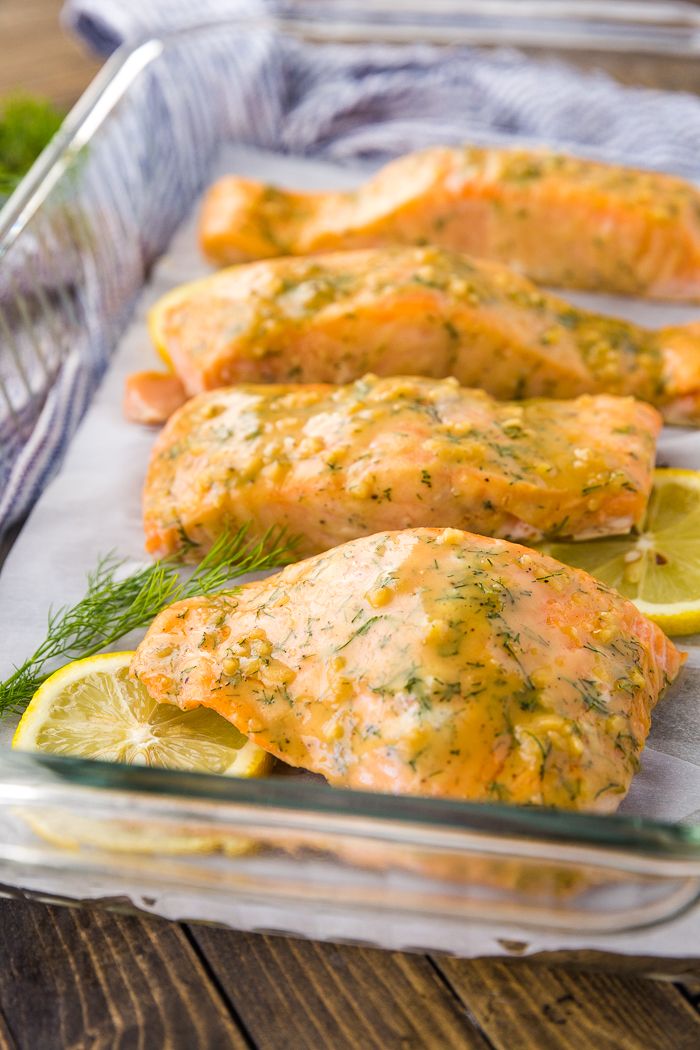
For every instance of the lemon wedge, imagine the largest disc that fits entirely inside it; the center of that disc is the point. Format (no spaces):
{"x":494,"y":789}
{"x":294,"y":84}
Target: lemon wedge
{"x":658,"y":568}
{"x":92,"y":708}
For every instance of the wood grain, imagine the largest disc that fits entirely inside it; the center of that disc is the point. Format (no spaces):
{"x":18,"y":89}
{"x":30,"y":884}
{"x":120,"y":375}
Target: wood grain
{"x":6,"y":1040}
{"x":530,"y":1006}
{"x":37,"y":57}
{"x":76,"y":979}
{"x":308,"y":995}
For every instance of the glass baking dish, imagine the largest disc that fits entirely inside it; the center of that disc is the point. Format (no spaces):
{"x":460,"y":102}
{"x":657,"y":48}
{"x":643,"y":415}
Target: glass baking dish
{"x":77,"y":243}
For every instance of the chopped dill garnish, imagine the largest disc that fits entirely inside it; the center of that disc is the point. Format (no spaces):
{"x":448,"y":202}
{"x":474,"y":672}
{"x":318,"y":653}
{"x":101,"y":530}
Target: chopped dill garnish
{"x":360,"y":630}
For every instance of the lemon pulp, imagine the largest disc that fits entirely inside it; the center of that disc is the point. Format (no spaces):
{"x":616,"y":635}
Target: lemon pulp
{"x":93,"y":709}
{"x":658,"y":568}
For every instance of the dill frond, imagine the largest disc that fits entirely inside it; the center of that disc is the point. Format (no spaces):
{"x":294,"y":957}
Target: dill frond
{"x":114,"y":604}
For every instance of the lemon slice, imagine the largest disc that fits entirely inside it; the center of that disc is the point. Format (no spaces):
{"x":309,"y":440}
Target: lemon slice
{"x":658,"y":568}
{"x":156,"y":318}
{"x":92,"y":708}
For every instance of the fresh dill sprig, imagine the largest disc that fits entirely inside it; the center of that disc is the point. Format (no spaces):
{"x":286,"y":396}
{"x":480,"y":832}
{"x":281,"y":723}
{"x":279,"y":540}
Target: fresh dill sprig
{"x":115,"y":604}
{"x":27,"y":124}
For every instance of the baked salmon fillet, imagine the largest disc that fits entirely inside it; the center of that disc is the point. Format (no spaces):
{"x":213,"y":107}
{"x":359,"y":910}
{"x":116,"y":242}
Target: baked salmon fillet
{"x":333,"y":463}
{"x":418,"y":311}
{"x":426,"y":662}
{"x":561,"y":220}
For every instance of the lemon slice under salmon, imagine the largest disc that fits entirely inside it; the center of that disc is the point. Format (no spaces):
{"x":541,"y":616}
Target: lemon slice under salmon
{"x":92,"y":708}
{"x":658,"y":567}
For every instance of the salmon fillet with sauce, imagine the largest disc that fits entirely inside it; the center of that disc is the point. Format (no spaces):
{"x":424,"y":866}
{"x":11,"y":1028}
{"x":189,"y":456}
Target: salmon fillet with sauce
{"x":427,"y":662}
{"x":418,"y":311}
{"x":333,"y":463}
{"x":561,"y":220}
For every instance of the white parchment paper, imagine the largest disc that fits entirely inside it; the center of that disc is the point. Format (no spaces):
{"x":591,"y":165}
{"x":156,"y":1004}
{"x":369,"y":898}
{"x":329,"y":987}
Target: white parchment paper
{"x":93,"y":507}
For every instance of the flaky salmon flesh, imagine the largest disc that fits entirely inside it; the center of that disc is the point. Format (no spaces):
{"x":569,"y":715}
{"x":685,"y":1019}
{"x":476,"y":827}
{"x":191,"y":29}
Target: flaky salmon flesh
{"x":333,"y":463}
{"x":561,"y":220}
{"x":426,"y":662}
{"x":418,"y":311}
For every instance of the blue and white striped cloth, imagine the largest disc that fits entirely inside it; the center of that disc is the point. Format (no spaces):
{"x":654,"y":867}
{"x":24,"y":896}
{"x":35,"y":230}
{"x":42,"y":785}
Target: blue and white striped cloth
{"x":352,"y":102}
{"x":356,"y":101}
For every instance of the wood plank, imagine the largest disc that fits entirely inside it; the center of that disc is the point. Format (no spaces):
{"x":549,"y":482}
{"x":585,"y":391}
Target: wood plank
{"x":79,"y":979}
{"x":535,"y":1007}
{"x":37,"y":56}
{"x":679,"y":970}
{"x":6,"y":1040}
{"x":307,"y":994}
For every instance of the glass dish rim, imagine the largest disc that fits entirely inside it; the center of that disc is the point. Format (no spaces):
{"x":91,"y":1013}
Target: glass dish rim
{"x":657,"y":841}
{"x":593,"y":837}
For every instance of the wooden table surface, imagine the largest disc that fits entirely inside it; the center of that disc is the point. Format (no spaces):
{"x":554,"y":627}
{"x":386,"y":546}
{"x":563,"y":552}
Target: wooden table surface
{"x":88,"y":978}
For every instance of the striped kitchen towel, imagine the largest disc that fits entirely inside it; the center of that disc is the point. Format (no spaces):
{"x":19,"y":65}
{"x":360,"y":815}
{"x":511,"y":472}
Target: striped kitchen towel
{"x":344,"y":102}
{"x":357,"y":101}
